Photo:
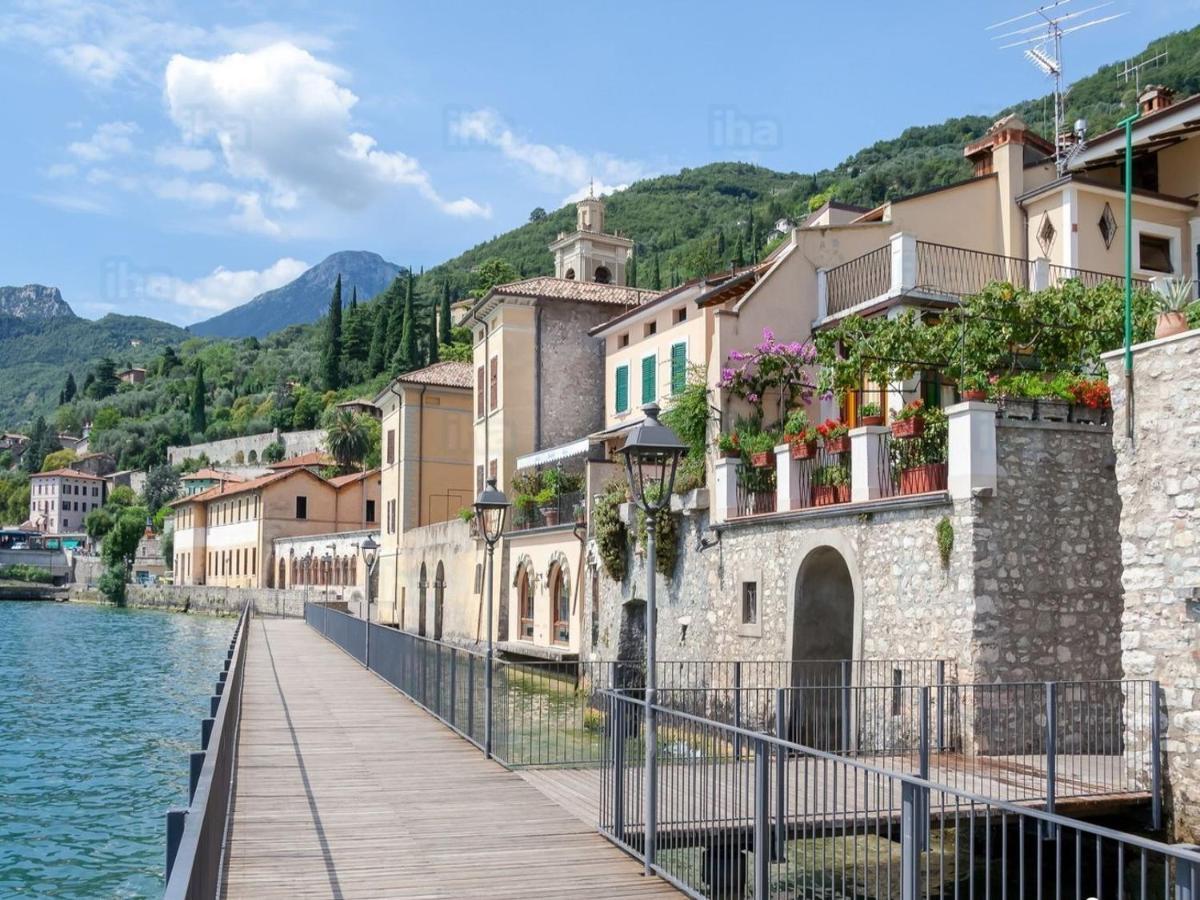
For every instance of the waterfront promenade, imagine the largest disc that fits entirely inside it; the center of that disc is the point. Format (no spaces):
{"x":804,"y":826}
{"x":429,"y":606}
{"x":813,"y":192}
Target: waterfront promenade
{"x":345,"y":788}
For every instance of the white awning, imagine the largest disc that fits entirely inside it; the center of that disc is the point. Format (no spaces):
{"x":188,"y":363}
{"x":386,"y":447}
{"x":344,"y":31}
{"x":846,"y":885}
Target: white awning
{"x":554,"y":454}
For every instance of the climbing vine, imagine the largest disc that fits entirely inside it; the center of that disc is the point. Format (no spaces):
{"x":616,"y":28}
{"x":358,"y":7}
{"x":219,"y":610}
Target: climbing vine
{"x":945,"y":539}
{"x":666,"y":534}
{"x":612,"y":537}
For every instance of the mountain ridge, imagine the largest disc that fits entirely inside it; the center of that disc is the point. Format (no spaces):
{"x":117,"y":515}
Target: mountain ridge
{"x":34,"y":301}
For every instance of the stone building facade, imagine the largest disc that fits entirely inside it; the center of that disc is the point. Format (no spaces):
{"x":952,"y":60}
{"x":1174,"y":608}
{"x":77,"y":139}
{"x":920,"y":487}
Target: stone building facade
{"x":1158,"y":473}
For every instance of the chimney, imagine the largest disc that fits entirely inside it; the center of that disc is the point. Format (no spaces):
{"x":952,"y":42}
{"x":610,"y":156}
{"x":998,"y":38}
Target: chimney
{"x":1154,"y":98}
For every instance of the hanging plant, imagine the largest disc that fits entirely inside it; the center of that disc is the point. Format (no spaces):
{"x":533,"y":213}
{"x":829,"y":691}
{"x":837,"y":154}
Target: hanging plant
{"x":945,"y":540}
{"x":612,"y":537}
{"x":666,"y":535}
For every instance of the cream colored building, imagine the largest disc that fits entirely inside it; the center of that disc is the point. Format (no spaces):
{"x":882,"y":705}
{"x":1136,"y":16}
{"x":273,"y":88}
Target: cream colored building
{"x":60,"y":500}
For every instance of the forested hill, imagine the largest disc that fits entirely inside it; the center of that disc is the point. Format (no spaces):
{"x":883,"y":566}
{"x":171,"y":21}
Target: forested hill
{"x":692,"y":220}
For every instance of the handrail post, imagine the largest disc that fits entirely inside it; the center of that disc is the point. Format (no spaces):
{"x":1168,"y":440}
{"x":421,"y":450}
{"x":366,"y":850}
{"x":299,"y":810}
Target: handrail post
{"x":923,"y":758}
{"x":618,"y":737}
{"x":1051,"y":748}
{"x":1156,"y":760}
{"x":453,"y":695}
{"x":206,"y":727}
{"x":846,"y":674}
{"x":1187,"y":873}
{"x":762,"y":852}
{"x":195,"y":765}
{"x":471,"y":694}
{"x":176,"y":819}
{"x":911,"y":840}
{"x":737,"y":708}
{"x":780,"y":848}
{"x":941,"y":705}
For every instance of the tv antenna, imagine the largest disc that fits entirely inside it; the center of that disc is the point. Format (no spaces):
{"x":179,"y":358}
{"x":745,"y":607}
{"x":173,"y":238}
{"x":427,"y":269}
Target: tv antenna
{"x":1041,"y":32}
{"x":1134,"y":70}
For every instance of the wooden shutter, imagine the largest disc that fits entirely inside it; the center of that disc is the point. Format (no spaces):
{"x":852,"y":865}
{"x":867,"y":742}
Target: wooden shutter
{"x":495,"y":376}
{"x":622,"y":388}
{"x":648,"y":367}
{"x":479,"y":389}
{"x":678,"y":367}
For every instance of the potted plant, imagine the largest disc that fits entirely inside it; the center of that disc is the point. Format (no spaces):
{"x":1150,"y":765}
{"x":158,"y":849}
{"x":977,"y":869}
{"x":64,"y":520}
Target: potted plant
{"x":1091,"y":401}
{"x":800,"y":435}
{"x":1172,"y":307}
{"x":759,"y":449}
{"x":872,"y":414}
{"x":831,"y":485}
{"x":973,"y":388}
{"x":547,"y":503}
{"x":729,"y":445}
{"x":835,"y":436}
{"x":909,"y":421}
{"x":921,"y":460}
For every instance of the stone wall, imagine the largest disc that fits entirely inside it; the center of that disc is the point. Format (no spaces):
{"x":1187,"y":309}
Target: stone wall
{"x":220,"y":600}
{"x":447,"y":543}
{"x":1158,"y":476}
{"x":571,"y":373}
{"x":224,"y":452}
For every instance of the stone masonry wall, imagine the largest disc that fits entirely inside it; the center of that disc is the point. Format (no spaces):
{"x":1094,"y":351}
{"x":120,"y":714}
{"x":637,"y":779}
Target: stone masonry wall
{"x":220,"y":600}
{"x":223,"y":452}
{"x":1158,"y":476}
{"x":572,"y":372}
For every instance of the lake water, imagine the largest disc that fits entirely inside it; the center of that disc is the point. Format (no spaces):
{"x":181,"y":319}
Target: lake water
{"x":99,"y":708}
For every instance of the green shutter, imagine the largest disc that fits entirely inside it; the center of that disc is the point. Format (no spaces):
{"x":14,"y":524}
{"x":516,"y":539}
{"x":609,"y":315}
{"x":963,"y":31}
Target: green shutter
{"x":648,"y":392}
{"x":678,"y":367}
{"x":622,"y":388}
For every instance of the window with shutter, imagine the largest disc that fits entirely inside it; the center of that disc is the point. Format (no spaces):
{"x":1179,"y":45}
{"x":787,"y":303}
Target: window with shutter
{"x":649,"y":364}
{"x":495,"y":391}
{"x":678,"y":367}
{"x":479,"y":395}
{"x":622,"y":389}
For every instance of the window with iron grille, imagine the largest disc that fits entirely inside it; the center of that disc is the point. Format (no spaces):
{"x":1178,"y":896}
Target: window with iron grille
{"x":649,"y":364}
{"x":622,"y":389}
{"x":678,"y":367}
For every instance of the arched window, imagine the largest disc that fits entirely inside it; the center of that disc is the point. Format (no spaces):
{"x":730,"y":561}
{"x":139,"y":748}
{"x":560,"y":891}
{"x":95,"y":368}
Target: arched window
{"x":560,"y":605}
{"x":422,"y":584}
{"x":603,"y":276}
{"x":525,"y":604}
{"x":282,"y":574}
{"x":439,"y":595}
{"x":570,"y":275}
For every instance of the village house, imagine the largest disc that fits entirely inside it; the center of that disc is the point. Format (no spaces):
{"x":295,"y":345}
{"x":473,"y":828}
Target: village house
{"x":60,"y":500}
{"x":135,"y":375}
{"x":202,"y":479}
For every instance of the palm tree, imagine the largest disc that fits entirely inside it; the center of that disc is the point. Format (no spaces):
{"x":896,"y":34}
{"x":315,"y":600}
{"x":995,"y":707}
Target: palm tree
{"x":347,"y":439}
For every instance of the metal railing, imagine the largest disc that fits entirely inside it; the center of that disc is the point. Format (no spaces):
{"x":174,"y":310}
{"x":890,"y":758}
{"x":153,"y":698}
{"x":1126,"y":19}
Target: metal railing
{"x":858,"y":280}
{"x":958,"y":272}
{"x":196,"y":835}
{"x":1090,"y":278}
{"x":560,"y":512}
{"x":740,"y":813}
{"x":810,"y":489}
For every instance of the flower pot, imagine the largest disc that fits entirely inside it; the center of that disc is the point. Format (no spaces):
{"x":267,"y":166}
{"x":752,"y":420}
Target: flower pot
{"x":974,"y":395}
{"x":1170,"y":323}
{"x":803,"y":449}
{"x":762,"y":459}
{"x":838,"y":444}
{"x":923,"y":479}
{"x":729,"y":454}
{"x":1089,"y":415}
{"x":1051,"y":410}
{"x":909,"y":428}
{"x":872,"y":420}
{"x":830,"y":495}
{"x":549,"y":515}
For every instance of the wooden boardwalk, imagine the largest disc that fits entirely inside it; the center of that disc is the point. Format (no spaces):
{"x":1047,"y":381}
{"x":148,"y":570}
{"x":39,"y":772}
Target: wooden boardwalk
{"x":346,"y":789}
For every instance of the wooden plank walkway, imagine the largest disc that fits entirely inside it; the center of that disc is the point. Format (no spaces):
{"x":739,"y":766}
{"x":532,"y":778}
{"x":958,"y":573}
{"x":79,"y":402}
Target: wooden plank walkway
{"x":346,"y":789}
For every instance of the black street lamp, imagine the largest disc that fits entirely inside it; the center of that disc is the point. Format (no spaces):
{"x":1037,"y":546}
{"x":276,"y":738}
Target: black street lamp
{"x":652,"y":453}
{"x":491,"y":508}
{"x":370,"y":554}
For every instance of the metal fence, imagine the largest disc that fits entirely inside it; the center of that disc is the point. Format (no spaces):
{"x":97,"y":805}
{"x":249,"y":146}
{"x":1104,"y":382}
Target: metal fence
{"x":1089,"y":278}
{"x":564,"y":509}
{"x":754,"y":503}
{"x":858,"y":280}
{"x":195,"y":835}
{"x":942,"y":269}
{"x":737,"y":813}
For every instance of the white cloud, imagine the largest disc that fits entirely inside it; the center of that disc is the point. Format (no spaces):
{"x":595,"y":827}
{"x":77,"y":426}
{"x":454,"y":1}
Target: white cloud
{"x":108,"y":140}
{"x":558,"y":166}
{"x":222,"y":288}
{"x":282,"y":120}
{"x":250,"y":217}
{"x":100,"y":65}
{"x":61,"y":170}
{"x":186,"y":159}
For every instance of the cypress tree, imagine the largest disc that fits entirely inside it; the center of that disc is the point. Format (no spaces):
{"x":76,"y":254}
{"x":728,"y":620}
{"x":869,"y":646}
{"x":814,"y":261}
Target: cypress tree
{"x":739,"y":255}
{"x":632,"y":279}
{"x":721,"y":245}
{"x":331,"y":357}
{"x":433,"y":335}
{"x":656,"y":275}
{"x":198,"y":417}
{"x":354,"y":298}
{"x":357,"y":345}
{"x":406,"y":358}
{"x":444,"y":335}
{"x":68,"y":391}
{"x":379,"y":354}
{"x":395,"y":327}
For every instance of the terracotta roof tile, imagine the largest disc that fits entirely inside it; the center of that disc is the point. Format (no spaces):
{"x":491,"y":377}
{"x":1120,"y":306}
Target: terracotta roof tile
{"x":548,"y":287}
{"x":211,"y":474}
{"x":66,"y":473}
{"x":311,"y":458}
{"x":343,"y":480}
{"x":441,"y":374}
{"x":229,"y":490}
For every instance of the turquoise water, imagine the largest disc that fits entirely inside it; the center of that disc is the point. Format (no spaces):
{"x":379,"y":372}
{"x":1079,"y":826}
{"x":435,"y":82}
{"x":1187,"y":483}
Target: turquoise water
{"x":99,"y":708}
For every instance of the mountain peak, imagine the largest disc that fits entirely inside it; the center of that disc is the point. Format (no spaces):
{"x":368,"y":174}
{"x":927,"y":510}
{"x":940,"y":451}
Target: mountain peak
{"x":34,"y":301}
{"x":306,"y":298}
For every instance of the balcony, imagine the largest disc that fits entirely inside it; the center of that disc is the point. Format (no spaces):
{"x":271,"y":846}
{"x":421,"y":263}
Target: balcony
{"x":563,"y":509}
{"x":933,"y":274}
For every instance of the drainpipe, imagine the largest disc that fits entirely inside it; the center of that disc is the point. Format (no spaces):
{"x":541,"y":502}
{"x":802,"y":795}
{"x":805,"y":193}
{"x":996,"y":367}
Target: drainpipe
{"x":420,"y":447}
{"x":396,"y":462}
{"x":486,"y":389}
{"x":1127,"y":124}
{"x":537,"y":377}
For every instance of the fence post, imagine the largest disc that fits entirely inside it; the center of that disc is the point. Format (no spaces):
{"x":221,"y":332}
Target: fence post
{"x":941,"y":705}
{"x":195,"y":765}
{"x":367,"y":641}
{"x":176,"y":818}
{"x":780,"y":848}
{"x":471,"y":694}
{"x":1156,"y":760}
{"x":762,"y":852}
{"x":1051,"y":748}
{"x":911,"y":840}
{"x":846,"y":705}
{"x":618,"y":725}
{"x":453,"y":695}
{"x":206,"y":727}
{"x":737,"y":708}
{"x":923,"y":758}
{"x":1186,"y":873}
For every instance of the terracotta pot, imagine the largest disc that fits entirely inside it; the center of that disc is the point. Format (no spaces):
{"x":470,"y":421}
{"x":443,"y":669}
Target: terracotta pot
{"x":804,"y":449}
{"x":830,"y":495}
{"x":763,"y":459}
{"x":923,"y":479}
{"x":1170,"y":323}
{"x":872,"y":420}
{"x":974,"y":395}
{"x":729,"y":454}
{"x":909,"y":428}
{"x":838,"y":445}
{"x":550,"y":515}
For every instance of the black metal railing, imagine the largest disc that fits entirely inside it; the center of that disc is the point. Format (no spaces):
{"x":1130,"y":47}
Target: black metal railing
{"x":814,"y":484}
{"x":196,"y":835}
{"x":1090,"y":278}
{"x":565,"y":509}
{"x":734,"y":812}
{"x":958,"y":272}
{"x":862,"y":278}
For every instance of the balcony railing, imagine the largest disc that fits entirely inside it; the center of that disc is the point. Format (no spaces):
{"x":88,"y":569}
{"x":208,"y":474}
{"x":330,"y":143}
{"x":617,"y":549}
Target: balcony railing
{"x":943,"y":269}
{"x":561,"y":511}
{"x":1088,"y":277}
{"x":860,"y":279}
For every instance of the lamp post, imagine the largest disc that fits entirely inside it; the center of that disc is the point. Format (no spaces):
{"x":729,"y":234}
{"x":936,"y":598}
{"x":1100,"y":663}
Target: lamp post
{"x":326,"y":561}
{"x":491,"y":507}
{"x":370,"y":554}
{"x":652,"y":452}
{"x":1127,"y":124}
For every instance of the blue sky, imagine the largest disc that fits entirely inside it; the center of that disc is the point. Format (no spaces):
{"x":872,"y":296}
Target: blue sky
{"x":173,"y":159}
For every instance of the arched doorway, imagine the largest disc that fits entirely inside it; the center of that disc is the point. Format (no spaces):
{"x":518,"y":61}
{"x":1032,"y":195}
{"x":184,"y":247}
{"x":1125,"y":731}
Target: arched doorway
{"x":524,"y":605}
{"x":560,"y":605}
{"x":422,"y":585}
{"x":822,"y":645}
{"x":603,"y":275}
{"x":439,"y":594}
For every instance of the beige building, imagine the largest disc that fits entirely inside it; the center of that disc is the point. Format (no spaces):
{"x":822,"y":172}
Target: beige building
{"x":225,"y":536}
{"x":60,"y":500}
{"x":329,"y":567}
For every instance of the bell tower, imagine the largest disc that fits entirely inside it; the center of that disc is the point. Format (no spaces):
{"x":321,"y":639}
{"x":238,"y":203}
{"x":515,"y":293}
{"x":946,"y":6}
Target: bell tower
{"x":587,"y":253}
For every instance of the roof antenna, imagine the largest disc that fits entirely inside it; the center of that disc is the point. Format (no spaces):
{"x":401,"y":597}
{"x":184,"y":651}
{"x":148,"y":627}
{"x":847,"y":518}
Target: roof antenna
{"x":592,"y":188}
{"x":1043,"y":47}
{"x":1134,"y":70}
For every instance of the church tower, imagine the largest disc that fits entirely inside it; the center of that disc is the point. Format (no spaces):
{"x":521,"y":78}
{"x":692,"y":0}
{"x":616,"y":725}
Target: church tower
{"x":587,"y":253}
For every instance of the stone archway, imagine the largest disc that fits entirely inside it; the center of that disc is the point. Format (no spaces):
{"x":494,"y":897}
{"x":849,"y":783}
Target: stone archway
{"x":422,"y":586}
{"x":439,"y":599}
{"x":824,"y":640}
